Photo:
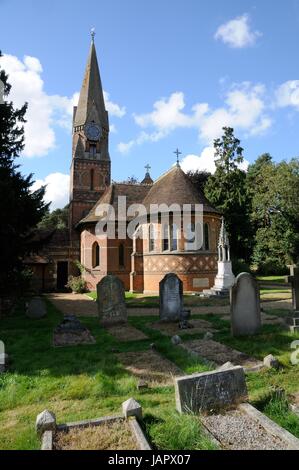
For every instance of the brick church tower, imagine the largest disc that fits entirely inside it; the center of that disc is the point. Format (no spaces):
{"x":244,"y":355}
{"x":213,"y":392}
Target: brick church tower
{"x":90,"y":167}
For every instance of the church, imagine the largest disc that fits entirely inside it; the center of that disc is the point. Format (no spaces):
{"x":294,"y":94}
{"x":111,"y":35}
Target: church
{"x":140,"y":262}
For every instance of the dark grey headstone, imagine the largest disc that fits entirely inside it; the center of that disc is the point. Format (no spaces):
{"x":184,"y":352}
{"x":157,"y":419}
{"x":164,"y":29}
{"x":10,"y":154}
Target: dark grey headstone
{"x":111,"y":301}
{"x":210,"y":390}
{"x":171,"y":298}
{"x":245,"y":306}
{"x":36,"y":308}
{"x":294,"y":280}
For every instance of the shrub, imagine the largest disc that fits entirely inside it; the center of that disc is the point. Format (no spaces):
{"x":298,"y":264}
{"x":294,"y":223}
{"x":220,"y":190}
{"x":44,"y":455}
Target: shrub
{"x":272,"y":266}
{"x":239,"y":266}
{"x":76,"y":284}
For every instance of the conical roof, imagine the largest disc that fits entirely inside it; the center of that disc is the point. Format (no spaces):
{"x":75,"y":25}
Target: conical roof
{"x":91,"y":104}
{"x":175,"y":187}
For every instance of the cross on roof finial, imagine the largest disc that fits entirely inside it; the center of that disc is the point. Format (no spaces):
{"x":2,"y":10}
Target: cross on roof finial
{"x":177,"y":153}
{"x":92,"y":33}
{"x":147,"y":167}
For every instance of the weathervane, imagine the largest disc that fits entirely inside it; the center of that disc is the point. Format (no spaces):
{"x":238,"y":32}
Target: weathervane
{"x":177,"y":153}
{"x":93,"y":33}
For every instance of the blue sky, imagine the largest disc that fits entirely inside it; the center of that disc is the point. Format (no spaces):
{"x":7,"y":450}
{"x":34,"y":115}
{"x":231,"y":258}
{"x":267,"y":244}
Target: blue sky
{"x":175,"y":72}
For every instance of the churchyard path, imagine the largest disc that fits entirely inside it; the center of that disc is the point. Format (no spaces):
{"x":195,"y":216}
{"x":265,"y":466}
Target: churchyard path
{"x":83,"y":306}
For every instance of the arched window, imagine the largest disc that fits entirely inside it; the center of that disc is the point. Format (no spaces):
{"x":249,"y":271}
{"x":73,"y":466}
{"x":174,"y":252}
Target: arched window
{"x":174,"y":237}
{"x":91,"y":179}
{"x":95,"y":255}
{"x":206,"y":237}
{"x":121,"y":255}
{"x":165,"y":237}
{"x":151,"y":238}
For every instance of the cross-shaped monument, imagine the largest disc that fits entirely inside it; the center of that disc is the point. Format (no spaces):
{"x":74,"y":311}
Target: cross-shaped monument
{"x":147,"y":167}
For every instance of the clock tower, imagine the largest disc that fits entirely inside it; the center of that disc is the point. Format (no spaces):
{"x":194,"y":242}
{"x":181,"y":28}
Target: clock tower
{"x":90,"y":167}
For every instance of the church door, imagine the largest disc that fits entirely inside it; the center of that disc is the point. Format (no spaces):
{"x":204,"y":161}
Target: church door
{"x":62,"y":274}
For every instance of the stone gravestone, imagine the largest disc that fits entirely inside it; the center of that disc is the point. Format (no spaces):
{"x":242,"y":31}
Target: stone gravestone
{"x":111,"y":301}
{"x":294,"y":280}
{"x":245,"y":306}
{"x":36,"y":308}
{"x":210,"y":390}
{"x":171,"y":298}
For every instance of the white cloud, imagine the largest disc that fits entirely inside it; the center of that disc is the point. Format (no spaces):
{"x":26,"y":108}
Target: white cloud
{"x":113,"y":108}
{"x":57,"y":190}
{"x":237,"y":33}
{"x":243,"y":109}
{"x":287,"y":94}
{"x":204,"y":162}
{"x":27,"y":85}
{"x":45,"y":112}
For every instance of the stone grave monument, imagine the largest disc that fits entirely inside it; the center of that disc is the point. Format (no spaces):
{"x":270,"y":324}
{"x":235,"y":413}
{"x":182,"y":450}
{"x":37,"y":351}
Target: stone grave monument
{"x":210,"y":390}
{"x":294,"y":280}
{"x":245,"y":306}
{"x":225,"y":278}
{"x":171,"y":298}
{"x":36,"y":308}
{"x":111,"y":301}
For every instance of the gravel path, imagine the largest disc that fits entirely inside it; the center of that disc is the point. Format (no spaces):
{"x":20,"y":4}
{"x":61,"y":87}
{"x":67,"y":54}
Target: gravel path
{"x":237,"y":431}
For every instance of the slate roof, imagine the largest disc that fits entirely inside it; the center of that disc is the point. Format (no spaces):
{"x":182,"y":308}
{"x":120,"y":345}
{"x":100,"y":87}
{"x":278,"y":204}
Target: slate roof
{"x":172,"y":187}
{"x":135,"y":193}
{"x":175,"y":187}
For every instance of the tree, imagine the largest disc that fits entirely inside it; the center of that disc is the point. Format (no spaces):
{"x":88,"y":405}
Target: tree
{"x":274,"y":191}
{"x":226,"y":190}
{"x":199,"y":178}
{"x":20,"y":208}
{"x":57,"y":219}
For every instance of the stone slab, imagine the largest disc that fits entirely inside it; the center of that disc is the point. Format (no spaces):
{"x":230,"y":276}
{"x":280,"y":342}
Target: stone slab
{"x":218,"y":354}
{"x":210,"y":390}
{"x":245,"y":306}
{"x":150,"y":366}
{"x":126,"y":333}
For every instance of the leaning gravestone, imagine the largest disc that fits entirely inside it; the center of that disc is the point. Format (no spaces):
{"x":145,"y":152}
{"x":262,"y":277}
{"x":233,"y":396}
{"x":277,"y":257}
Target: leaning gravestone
{"x":171,"y":298}
{"x":210,"y":390}
{"x":111,"y":301}
{"x":36,"y":308}
{"x":245,"y":306}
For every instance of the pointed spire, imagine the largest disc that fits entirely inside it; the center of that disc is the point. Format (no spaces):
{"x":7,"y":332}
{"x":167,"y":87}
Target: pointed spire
{"x":91,"y":104}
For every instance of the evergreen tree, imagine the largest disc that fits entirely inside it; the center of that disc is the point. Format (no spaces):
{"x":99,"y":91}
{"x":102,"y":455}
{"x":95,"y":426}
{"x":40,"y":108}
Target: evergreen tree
{"x":20,"y":208}
{"x":226,"y":190}
{"x":57,"y":219}
{"x":199,"y":178}
{"x":274,"y":191}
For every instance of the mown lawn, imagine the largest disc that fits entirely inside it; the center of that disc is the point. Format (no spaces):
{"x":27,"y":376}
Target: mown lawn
{"x":88,"y":381}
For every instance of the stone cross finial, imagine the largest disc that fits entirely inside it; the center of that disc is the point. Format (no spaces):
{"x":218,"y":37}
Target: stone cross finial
{"x":92,"y":33}
{"x":147,"y":167}
{"x":177,"y":153}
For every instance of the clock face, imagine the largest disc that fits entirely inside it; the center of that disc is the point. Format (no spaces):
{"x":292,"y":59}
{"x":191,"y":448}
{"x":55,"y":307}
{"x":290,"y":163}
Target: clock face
{"x":92,"y":131}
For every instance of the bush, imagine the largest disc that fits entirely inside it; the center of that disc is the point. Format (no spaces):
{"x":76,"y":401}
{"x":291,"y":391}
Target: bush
{"x":272,"y":266}
{"x":239,"y":266}
{"x":76,"y":284}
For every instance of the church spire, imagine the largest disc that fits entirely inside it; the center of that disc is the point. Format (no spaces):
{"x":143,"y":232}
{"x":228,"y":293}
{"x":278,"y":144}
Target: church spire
{"x":91,"y":106}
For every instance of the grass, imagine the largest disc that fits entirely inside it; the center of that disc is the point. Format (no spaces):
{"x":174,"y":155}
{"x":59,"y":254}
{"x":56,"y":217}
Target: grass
{"x":88,"y":381}
{"x":278,"y":279}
